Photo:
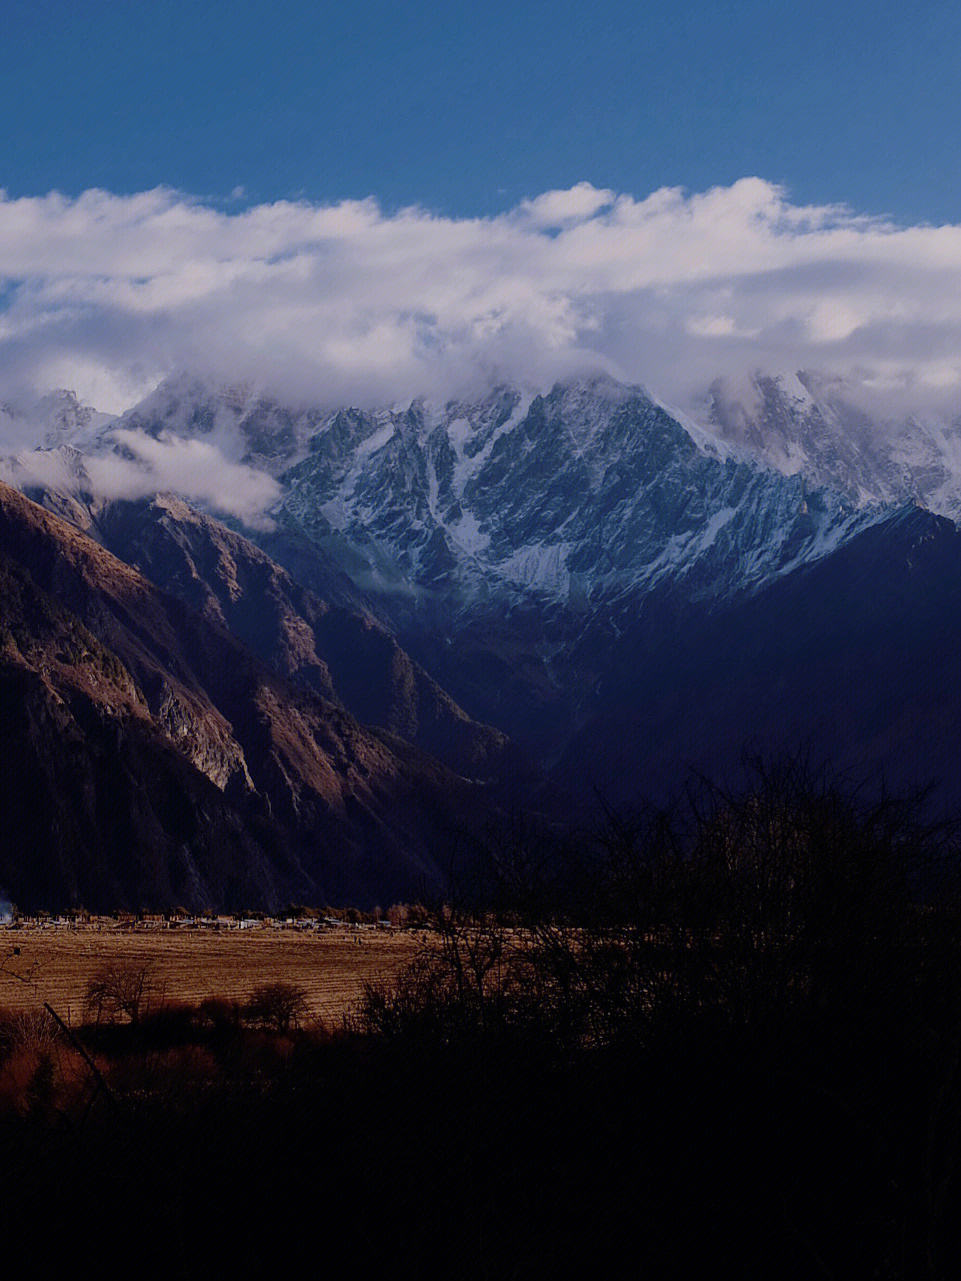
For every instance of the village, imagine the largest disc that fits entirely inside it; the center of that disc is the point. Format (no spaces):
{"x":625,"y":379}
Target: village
{"x":342,"y":920}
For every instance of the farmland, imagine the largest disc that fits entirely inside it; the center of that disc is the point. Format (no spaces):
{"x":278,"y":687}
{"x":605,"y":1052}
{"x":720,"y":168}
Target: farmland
{"x":330,"y":966}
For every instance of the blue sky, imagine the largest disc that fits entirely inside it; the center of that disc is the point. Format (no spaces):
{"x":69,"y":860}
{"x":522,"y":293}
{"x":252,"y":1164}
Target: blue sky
{"x":466,"y":108}
{"x":367,"y":202}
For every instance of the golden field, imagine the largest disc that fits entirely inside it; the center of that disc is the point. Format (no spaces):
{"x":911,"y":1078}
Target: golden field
{"x":55,"y":965}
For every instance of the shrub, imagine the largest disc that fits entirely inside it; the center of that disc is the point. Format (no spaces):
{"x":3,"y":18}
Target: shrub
{"x":220,"y":1013}
{"x":798,"y":898}
{"x":279,"y":1006}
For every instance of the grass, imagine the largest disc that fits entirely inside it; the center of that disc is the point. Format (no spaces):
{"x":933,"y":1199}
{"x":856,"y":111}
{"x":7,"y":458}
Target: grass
{"x":191,"y":966}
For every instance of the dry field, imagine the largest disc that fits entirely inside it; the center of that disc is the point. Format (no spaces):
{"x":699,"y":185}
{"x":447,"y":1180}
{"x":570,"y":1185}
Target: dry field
{"x":190,"y":965}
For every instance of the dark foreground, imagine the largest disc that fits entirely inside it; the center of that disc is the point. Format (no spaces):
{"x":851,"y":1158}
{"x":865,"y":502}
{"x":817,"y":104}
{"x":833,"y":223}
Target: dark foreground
{"x":745,"y":1055}
{"x":779,"y":1160}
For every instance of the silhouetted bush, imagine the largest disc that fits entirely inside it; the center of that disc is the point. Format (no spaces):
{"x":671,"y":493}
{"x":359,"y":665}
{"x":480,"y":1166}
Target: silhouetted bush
{"x":279,"y":1006}
{"x":220,"y":1013}
{"x":795,"y":896}
{"x":787,"y":957}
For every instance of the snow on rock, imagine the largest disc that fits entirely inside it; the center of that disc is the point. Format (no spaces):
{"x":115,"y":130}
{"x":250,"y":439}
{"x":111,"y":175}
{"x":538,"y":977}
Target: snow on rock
{"x":593,"y":492}
{"x":802,"y":424}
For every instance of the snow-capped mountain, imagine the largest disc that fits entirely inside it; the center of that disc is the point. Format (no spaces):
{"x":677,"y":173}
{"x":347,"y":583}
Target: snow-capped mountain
{"x":512,"y":543}
{"x":570,"y":500}
{"x":50,"y":422}
{"x":241,"y":423}
{"x":508,"y":542}
{"x":806,"y":425}
{"x":524,"y":548}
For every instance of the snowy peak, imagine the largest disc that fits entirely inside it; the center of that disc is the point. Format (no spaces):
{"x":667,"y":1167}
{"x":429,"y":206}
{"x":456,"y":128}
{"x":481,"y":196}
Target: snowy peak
{"x":49,"y":422}
{"x":812,"y":426}
{"x":245,"y":426}
{"x":582,"y":494}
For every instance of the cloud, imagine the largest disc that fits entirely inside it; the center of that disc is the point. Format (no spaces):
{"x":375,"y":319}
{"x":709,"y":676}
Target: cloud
{"x":348,"y":303}
{"x":140,"y":465}
{"x":195,"y":469}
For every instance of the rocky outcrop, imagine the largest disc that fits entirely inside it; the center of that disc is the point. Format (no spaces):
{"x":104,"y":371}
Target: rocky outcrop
{"x":155,"y":759}
{"x":341,"y":653}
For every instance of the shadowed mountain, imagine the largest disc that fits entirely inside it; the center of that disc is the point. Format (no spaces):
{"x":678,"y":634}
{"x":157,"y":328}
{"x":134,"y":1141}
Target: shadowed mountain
{"x":154,"y":759}
{"x":341,"y":653}
{"x":855,"y":656}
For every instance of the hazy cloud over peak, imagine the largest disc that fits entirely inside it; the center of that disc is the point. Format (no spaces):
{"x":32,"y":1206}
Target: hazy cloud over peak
{"x":108,"y":294}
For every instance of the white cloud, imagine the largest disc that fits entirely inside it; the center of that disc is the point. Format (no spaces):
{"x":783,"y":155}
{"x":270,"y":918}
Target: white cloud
{"x":564,"y":208}
{"x":195,"y":469}
{"x":145,"y":465}
{"x":109,"y":294}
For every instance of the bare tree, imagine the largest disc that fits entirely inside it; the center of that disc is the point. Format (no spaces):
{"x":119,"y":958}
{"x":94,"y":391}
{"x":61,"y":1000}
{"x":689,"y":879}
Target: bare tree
{"x":122,"y":989}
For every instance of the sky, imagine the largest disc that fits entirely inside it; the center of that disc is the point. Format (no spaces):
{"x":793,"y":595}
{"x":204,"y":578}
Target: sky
{"x":466,"y":108}
{"x":372,"y":201}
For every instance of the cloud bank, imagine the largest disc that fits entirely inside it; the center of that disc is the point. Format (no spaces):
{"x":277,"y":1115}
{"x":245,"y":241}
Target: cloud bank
{"x":195,"y":469}
{"x":138,"y":466}
{"x":347,"y":303}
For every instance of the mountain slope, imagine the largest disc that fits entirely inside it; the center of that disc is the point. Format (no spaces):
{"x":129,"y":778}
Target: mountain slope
{"x":287,"y":792}
{"x":854,"y":658}
{"x":343,"y":654}
{"x":99,"y":807}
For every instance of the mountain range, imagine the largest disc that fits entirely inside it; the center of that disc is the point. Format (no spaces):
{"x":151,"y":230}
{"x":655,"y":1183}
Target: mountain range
{"x":442,"y":612}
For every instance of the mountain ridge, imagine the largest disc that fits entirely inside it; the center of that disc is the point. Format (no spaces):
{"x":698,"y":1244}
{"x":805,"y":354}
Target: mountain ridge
{"x":301,"y":791}
{"x":522,"y":550}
